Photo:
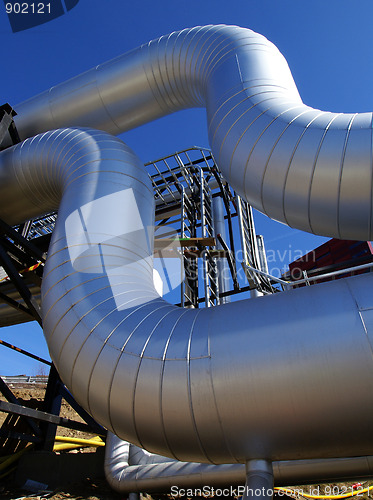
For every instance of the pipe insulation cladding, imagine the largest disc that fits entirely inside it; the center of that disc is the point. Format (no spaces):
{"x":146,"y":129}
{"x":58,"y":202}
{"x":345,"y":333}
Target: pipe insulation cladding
{"x":272,"y":377}
{"x":307,"y":168}
{"x":281,"y":377}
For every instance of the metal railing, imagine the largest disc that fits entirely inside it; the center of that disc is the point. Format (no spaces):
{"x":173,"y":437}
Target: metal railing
{"x":25,"y":379}
{"x":308,"y":279}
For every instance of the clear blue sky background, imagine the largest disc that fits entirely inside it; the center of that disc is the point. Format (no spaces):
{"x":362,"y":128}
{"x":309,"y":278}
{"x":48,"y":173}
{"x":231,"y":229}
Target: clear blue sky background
{"x":328,"y":45}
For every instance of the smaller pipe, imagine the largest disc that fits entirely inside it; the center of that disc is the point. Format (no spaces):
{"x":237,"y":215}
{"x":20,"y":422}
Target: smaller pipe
{"x":96,"y":441}
{"x":259,"y":480}
{"x":157,"y":473}
{"x":165,"y":475}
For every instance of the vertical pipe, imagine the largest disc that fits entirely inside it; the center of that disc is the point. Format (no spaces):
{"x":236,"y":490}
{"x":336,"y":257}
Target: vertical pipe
{"x":222,"y":264}
{"x":133,"y":496}
{"x":259,"y":480}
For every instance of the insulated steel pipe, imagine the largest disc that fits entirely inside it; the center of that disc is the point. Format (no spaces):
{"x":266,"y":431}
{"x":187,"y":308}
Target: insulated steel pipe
{"x":129,"y":469}
{"x":259,"y":480}
{"x":271,"y":378}
{"x":308,"y":168}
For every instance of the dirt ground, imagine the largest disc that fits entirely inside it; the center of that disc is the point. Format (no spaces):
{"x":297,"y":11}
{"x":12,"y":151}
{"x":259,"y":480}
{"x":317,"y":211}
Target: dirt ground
{"x":35,"y":394}
{"x":96,"y":488}
{"x":88,"y":489}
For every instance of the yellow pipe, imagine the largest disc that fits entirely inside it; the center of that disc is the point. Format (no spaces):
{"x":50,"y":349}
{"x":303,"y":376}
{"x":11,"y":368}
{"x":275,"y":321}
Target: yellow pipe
{"x":8,"y":472}
{"x":13,"y":458}
{"x":69,"y":444}
{"x":95,"y":441}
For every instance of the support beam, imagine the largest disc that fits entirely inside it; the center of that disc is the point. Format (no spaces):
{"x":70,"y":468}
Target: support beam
{"x":18,"y":282}
{"x":21,"y":240}
{"x":7,"y":125}
{"x":9,"y":396}
{"x":19,"y":436}
{"x":26,"y":353}
{"x":67,"y":396}
{"x":43,"y":416}
{"x":16,"y":305}
{"x":52,"y":406}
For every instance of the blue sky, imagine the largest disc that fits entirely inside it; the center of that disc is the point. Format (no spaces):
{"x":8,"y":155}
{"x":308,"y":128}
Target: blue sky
{"x":326,"y":43}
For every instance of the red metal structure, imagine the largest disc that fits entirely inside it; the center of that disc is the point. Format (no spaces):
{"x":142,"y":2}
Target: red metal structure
{"x":332,"y":256}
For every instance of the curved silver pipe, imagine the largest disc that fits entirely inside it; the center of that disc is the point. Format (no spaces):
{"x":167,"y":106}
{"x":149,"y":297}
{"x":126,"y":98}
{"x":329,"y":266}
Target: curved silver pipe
{"x":129,"y":469}
{"x":307,"y":168}
{"x":157,"y":473}
{"x":272,"y":377}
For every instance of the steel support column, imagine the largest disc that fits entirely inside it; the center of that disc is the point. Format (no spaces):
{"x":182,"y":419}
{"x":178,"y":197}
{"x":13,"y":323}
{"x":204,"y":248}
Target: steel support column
{"x":259,"y":480}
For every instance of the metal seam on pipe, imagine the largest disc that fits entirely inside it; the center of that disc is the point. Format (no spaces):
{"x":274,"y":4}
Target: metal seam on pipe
{"x":290,"y":163}
{"x":341,"y":168}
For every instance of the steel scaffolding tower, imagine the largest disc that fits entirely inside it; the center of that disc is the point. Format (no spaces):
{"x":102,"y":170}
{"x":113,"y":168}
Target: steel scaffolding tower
{"x":185,"y":185}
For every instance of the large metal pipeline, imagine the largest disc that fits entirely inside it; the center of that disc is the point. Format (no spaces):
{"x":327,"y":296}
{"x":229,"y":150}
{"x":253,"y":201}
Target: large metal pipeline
{"x":270,"y":378}
{"x":305,"y":167}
